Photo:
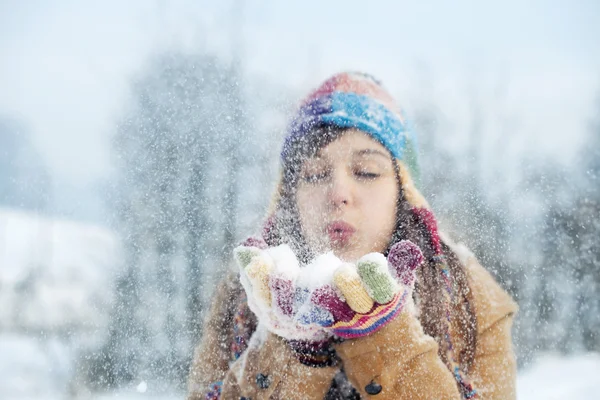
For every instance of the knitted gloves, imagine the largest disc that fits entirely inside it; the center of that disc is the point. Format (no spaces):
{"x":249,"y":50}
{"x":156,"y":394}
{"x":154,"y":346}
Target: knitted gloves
{"x":327,"y":297}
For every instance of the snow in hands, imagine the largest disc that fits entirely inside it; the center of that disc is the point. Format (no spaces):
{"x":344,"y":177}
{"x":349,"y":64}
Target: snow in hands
{"x":328,"y":296}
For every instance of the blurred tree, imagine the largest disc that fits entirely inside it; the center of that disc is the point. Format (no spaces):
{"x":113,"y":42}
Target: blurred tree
{"x":178,"y":195}
{"x":569,"y":290}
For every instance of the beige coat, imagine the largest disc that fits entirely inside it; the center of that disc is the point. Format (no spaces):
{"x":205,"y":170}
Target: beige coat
{"x":400,"y":357}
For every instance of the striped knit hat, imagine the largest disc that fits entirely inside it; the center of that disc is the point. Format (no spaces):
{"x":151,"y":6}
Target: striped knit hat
{"x":357,"y":100}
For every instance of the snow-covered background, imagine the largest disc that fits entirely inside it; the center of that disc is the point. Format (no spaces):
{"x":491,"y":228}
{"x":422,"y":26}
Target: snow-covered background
{"x":56,"y":280}
{"x":140,"y":139}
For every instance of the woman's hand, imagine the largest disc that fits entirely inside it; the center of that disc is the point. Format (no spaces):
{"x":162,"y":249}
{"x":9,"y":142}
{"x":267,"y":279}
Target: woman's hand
{"x":270,"y":277}
{"x":365,"y":297}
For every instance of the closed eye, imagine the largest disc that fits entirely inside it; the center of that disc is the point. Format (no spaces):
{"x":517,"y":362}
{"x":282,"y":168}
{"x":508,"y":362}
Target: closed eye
{"x":367,"y":175}
{"x":315,"y":178}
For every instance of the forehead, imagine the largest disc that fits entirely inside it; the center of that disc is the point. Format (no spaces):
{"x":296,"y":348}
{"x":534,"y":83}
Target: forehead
{"x":351,"y":144}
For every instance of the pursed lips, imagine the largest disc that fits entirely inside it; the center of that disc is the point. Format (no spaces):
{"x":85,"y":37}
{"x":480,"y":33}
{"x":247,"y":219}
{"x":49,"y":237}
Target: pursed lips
{"x":339,"y":232}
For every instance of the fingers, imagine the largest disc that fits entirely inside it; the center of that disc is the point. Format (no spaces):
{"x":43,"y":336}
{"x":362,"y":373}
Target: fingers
{"x":254,"y":241}
{"x":373,"y":270}
{"x":309,"y":313}
{"x":269,"y":273}
{"x":283,"y":294}
{"x":404,"y":257}
{"x":258,"y":272}
{"x":283,"y":278}
{"x":376,"y":278}
{"x":251,"y":247}
{"x":348,"y":281}
{"x":327,"y":298}
{"x":243,"y":255}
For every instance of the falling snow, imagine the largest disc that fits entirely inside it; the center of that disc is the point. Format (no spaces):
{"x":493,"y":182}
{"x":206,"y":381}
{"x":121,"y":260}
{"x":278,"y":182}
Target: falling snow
{"x":104,"y":286}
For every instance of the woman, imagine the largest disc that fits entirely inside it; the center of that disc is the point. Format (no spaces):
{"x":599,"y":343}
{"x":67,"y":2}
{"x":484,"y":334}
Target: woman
{"x":346,"y":186}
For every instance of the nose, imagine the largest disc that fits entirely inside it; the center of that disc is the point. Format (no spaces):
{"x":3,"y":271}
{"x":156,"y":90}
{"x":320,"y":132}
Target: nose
{"x":340,"y":192}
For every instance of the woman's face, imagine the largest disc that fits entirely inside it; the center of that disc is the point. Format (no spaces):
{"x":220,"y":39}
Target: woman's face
{"x":347,"y":196}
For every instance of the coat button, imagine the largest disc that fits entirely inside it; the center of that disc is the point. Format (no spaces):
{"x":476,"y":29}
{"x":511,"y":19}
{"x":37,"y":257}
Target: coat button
{"x":373,"y":388}
{"x":263,"y":381}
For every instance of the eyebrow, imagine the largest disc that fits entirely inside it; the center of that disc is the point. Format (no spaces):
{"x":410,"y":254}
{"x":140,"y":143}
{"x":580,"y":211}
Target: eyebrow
{"x":362,"y":152}
{"x":372,"y":151}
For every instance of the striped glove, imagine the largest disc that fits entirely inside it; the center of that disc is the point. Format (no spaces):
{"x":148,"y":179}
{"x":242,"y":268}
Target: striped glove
{"x":364,"y":297}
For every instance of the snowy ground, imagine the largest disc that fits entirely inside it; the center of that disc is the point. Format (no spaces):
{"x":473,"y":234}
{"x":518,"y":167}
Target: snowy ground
{"x":56,"y":276}
{"x":555,"y":377}
{"x":55,"y":280}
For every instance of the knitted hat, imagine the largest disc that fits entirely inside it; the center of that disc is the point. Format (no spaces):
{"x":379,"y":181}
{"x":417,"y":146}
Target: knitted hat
{"x":357,"y":100}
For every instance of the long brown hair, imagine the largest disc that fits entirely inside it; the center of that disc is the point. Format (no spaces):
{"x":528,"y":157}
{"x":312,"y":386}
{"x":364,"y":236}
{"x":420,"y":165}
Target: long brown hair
{"x":285,"y":228}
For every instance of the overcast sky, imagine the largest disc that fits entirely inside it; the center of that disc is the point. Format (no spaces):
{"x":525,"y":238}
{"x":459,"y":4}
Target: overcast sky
{"x":65,"y":65}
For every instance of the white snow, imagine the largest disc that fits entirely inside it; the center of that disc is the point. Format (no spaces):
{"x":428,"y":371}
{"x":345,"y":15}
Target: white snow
{"x":319,"y":272}
{"x":56,"y":294}
{"x":142,"y":387}
{"x":55,"y":275}
{"x":553,"y":376}
{"x":375,"y":258}
{"x":285,"y":260}
{"x":33,"y":368}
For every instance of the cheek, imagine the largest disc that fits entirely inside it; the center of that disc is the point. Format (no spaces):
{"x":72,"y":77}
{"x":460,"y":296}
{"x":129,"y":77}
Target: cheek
{"x":309,"y":209}
{"x":382,"y":215}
